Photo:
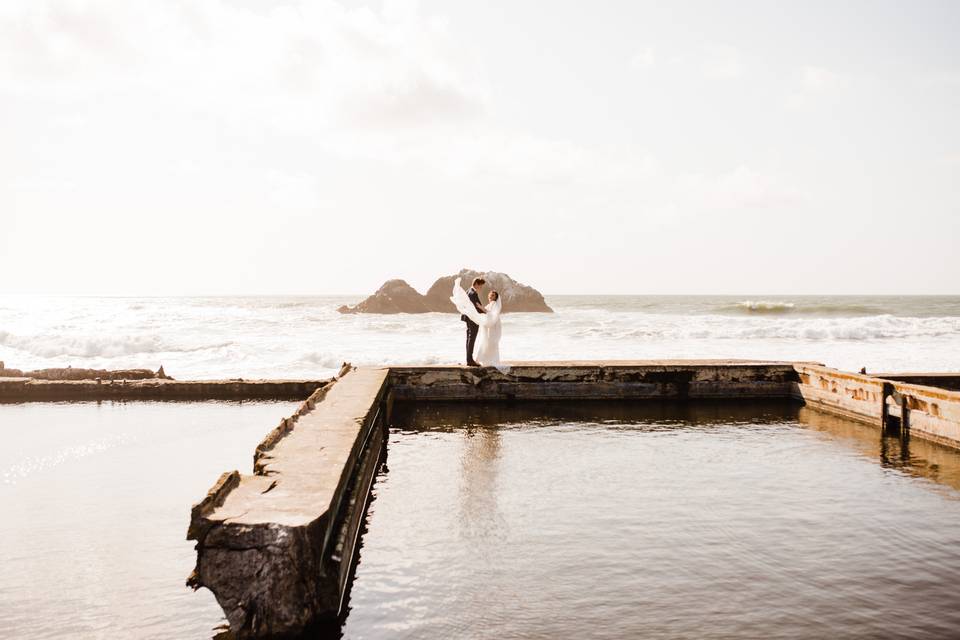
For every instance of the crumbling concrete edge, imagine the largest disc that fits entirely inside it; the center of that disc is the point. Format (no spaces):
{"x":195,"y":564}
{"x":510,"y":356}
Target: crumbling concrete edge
{"x":261,"y":454}
{"x":322,"y":552}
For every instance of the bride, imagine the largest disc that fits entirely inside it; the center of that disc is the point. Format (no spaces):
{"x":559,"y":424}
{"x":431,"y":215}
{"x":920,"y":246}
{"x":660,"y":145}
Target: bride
{"x":488,"y":352}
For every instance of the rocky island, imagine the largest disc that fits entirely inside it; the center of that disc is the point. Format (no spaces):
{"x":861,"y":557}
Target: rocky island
{"x":396,"y":296}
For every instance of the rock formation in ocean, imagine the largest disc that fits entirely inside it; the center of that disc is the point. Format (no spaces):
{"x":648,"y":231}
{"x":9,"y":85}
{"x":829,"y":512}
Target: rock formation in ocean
{"x":396,"y":296}
{"x":516,"y":296}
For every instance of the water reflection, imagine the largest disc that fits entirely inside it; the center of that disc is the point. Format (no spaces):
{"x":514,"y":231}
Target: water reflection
{"x":447,"y":416}
{"x":611,"y":520}
{"x":480,"y":517}
{"x":915,"y":456}
{"x":94,"y":497}
{"x":911,"y":455}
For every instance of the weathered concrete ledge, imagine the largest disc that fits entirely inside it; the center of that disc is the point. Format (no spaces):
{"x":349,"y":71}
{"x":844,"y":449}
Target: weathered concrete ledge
{"x":910,"y":410}
{"x":30,"y":389}
{"x":598,"y":380}
{"x":932,"y":413}
{"x":277,"y":547}
{"x":939,"y":380}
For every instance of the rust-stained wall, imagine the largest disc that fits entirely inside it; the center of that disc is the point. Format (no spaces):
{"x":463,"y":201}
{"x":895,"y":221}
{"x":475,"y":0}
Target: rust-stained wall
{"x":933,"y":413}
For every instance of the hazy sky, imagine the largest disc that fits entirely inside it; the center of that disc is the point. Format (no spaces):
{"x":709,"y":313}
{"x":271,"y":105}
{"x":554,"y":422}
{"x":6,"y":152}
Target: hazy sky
{"x":197,"y":147}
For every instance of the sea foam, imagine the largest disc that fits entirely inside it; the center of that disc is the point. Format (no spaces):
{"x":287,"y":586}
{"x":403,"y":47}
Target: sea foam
{"x":307,"y":338}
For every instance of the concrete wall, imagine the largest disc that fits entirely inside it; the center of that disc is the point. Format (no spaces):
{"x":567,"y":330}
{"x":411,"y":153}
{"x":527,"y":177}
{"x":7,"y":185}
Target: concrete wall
{"x":29,"y":390}
{"x":932,"y":413}
{"x":276,"y":547}
{"x":939,"y":380}
{"x":598,"y":380}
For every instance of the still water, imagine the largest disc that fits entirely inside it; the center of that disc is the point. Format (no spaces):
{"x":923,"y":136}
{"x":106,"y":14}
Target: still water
{"x":94,"y":505}
{"x":533,"y":521}
{"x":656,"y":522}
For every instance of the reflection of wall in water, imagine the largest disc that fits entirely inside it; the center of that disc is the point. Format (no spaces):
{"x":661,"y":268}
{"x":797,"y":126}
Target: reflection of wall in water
{"x":919,"y":458}
{"x":481,"y":424}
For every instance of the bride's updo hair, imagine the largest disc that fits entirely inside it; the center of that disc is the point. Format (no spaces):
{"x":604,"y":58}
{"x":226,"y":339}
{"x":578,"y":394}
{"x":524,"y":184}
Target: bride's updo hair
{"x":494,"y":295}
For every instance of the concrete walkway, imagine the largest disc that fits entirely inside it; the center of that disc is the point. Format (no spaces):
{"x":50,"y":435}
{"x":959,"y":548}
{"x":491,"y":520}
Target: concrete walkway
{"x":269,"y":545}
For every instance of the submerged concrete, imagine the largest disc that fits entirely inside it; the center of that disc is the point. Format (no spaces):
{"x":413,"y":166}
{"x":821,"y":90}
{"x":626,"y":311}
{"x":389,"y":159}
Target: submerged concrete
{"x":277,"y":547}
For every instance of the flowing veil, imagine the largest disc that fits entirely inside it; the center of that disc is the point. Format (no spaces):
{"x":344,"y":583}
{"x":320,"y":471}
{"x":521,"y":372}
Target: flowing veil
{"x":488,"y":340}
{"x":465,"y":305}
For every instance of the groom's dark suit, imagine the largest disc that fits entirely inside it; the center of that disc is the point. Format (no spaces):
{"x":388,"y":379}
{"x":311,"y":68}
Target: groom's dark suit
{"x":472,"y":327}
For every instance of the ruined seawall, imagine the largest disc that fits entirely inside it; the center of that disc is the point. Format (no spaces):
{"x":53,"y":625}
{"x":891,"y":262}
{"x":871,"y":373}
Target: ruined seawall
{"x":277,"y":547}
{"x":38,"y":390}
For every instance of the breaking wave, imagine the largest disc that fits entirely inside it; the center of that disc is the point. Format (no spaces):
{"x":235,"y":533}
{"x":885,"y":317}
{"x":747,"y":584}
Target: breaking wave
{"x":764,"y":306}
{"x":810,"y":308}
{"x":793,"y":329}
{"x":324,"y":360}
{"x":53,"y":346}
{"x":285,"y":338}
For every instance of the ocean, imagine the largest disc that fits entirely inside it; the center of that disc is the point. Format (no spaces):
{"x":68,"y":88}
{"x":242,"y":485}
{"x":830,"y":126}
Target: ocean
{"x":305,"y":337}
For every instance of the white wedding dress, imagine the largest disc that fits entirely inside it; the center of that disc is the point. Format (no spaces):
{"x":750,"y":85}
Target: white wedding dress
{"x":488,"y":340}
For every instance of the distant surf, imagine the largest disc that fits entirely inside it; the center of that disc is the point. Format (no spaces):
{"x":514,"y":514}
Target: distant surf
{"x":764,"y":306}
{"x":813,"y":308}
{"x":305,"y":337}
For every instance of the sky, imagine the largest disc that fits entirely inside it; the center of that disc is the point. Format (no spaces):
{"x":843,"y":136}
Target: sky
{"x":320,"y":147}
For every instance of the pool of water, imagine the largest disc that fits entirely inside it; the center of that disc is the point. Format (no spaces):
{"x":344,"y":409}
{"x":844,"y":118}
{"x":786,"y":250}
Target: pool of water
{"x":618,"y":521}
{"x":95,"y":501}
{"x":528,"y":521}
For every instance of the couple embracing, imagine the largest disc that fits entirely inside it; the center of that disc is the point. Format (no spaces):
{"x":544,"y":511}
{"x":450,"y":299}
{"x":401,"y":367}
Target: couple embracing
{"x":483,"y":323}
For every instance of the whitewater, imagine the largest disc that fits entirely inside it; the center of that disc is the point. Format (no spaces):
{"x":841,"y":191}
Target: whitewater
{"x":305,"y":337}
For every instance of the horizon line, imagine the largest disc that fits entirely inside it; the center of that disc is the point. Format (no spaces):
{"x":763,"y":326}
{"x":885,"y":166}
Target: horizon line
{"x":364,"y":295}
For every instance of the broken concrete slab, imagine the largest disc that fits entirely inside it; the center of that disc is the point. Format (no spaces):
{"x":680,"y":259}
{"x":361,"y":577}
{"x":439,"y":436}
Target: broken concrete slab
{"x":276,"y":547}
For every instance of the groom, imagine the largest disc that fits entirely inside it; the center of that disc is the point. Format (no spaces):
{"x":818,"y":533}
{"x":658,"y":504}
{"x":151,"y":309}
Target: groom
{"x":472,"y":327}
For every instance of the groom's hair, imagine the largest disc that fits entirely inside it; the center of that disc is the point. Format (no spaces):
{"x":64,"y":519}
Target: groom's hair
{"x":478,"y":282}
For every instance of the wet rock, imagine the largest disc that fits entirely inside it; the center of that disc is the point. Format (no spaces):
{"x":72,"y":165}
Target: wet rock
{"x":395,"y":296}
{"x":517,"y":297}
